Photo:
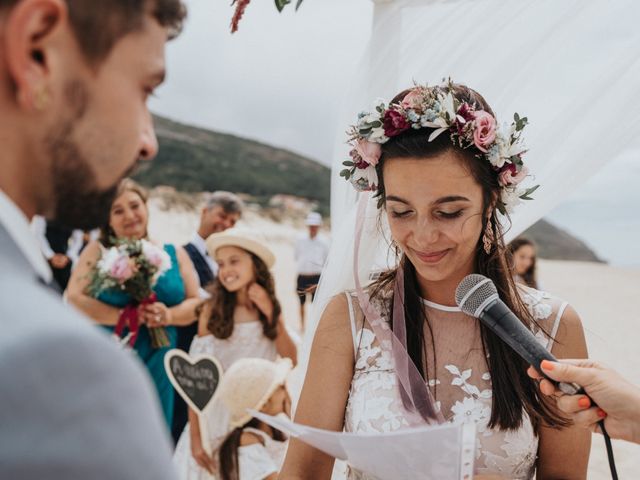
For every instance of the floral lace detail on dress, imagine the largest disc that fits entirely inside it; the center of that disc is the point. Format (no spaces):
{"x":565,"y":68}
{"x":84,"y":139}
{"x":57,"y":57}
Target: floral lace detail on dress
{"x":462,"y":387}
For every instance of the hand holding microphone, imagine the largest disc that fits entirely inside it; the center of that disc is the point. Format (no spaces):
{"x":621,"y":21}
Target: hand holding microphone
{"x":619,"y":398}
{"x":478,"y":297}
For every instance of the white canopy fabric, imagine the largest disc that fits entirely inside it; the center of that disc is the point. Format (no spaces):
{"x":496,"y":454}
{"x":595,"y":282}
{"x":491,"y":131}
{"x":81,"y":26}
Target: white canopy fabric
{"x":571,"y":66}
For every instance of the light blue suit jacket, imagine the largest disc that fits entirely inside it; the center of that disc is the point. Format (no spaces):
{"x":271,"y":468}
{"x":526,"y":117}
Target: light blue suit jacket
{"x":72,"y":404}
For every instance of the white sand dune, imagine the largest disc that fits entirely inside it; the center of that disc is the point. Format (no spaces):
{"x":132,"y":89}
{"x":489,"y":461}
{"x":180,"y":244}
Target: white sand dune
{"x":605,"y":297}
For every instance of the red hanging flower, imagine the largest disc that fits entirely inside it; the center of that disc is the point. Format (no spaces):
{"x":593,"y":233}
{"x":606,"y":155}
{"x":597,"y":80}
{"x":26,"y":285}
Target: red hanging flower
{"x":241,"y":6}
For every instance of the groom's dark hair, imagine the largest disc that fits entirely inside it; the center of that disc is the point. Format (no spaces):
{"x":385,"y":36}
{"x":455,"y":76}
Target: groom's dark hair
{"x":99,"y":24}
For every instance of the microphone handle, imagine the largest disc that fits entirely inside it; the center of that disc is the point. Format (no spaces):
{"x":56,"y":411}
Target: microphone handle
{"x":513,"y":332}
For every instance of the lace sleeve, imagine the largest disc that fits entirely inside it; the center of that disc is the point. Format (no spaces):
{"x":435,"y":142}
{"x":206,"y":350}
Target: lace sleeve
{"x":547,"y":311}
{"x":255,"y":463}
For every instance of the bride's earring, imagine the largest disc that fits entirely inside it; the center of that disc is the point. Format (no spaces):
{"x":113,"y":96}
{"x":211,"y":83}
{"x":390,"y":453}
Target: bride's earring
{"x":488,"y":238}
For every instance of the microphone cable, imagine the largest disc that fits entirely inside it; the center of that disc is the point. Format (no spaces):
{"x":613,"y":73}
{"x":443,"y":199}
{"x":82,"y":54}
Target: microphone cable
{"x":607,"y":441}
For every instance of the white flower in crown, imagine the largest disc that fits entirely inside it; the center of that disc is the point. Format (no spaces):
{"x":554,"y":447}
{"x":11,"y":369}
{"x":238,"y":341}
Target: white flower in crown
{"x":446,"y":115}
{"x":365,"y":179}
{"x":511,"y":199}
{"x":377,"y":135}
{"x":439,"y":109}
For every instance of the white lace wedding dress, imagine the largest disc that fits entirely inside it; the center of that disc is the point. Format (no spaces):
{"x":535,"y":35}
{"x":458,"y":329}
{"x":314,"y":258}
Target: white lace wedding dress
{"x":461,"y":384}
{"x":247,"y":340}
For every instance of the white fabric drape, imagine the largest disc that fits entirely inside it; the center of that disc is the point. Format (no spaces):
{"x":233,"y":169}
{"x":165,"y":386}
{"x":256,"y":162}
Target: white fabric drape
{"x":571,"y":66}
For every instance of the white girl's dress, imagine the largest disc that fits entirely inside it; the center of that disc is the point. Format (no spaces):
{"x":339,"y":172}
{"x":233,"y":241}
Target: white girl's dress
{"x":259,"y":460}
{"x":246,"y":341}
{"x":460,"y":383}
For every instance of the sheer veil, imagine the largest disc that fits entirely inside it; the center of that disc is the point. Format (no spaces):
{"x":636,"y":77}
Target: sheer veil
{"x":568,"y":65}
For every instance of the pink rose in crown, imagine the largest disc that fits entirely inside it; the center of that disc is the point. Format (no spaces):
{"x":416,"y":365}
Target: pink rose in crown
{"x":413,"y":100}
{"x":369,"y":152}
{"x":509,"y":175}
{"x":394,"y":123}
{"x":122,"y":269}
{"x":484,"y":133}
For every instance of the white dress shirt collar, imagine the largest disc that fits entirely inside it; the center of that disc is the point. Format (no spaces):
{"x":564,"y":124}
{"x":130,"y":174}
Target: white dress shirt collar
{"x":17,"y":226}
{"x":200,"y":244}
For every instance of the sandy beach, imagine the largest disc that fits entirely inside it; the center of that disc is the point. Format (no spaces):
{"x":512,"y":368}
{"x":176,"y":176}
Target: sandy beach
{"x":604,"y":296}
{"x":606,"y":299}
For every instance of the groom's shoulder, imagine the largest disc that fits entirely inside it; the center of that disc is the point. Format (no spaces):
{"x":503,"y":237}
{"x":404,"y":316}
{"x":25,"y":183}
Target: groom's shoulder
{"x":35,"y":322}
{"x":27,"y":306}
{"x":64,"y":379}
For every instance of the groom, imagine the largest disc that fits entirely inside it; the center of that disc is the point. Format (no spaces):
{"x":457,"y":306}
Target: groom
{"x":74,"y":79}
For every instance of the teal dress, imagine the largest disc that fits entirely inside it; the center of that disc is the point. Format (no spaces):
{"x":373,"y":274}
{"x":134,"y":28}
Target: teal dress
{"x":170,"y":290}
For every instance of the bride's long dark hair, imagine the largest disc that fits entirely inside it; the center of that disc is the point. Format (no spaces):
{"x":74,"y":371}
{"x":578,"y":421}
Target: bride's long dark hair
{"x":513,"y":391}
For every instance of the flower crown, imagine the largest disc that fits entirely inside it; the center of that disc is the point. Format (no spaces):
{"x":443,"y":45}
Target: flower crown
{"x":437,"y":108}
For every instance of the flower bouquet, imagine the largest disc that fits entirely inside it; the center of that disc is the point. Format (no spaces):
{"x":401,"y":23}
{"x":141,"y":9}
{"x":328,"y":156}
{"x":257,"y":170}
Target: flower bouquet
{"x":131,"y":267}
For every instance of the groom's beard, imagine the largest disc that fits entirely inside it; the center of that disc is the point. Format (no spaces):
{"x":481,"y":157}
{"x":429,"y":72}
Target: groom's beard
{"x":79,"y":203}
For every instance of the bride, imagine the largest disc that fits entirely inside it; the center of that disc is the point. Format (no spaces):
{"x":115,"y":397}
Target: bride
{"x":442,"y":175}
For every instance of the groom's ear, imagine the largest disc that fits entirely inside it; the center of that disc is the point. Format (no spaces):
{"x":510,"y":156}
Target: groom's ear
{"x":34,"y":34}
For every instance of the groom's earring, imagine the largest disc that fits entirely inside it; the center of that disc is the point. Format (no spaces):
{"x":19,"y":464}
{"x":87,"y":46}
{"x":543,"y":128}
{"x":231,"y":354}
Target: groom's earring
{"x":41,"y":99}
{"x":488,"y":238}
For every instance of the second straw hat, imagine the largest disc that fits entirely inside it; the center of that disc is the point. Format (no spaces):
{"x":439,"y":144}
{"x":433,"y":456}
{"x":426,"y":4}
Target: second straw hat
{"x":245,"y":239}
{"x":249,"y":384}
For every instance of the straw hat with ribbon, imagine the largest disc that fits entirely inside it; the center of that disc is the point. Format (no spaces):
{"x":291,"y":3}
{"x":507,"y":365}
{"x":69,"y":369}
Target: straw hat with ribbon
{"x":249,"y":384}
{"x":245,"y":239}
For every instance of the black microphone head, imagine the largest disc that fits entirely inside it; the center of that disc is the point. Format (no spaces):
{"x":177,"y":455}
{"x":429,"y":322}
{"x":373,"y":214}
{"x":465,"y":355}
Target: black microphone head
{"x":474,"y":292}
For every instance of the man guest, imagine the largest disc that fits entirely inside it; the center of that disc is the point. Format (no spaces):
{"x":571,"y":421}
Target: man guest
{"x":222,"y":211}
{"x":311,"y":253}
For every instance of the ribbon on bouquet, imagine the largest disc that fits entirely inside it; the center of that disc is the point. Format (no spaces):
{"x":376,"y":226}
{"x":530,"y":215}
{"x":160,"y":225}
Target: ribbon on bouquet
{"x":414,"y":392}
{"x":129,"y":319}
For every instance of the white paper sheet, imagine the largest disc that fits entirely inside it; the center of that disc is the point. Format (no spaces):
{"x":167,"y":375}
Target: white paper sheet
{"x":443,"y":452}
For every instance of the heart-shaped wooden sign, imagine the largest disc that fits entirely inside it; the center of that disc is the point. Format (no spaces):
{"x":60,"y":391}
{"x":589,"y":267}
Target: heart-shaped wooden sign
{"x":195,"y":379}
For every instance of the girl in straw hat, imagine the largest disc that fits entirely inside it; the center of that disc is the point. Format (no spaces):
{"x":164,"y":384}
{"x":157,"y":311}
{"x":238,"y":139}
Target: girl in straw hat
{"x":242,"y":319}
{"x":253,"y":450}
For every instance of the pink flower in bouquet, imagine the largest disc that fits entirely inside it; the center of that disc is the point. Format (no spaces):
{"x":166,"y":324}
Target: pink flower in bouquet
{"x":484,"y":133}
{"x":394,"y":123}
{"x":412,"y":100}
{"x":510,"y":175}
{"x":122,"y":269}
{"x":156,"y":256}
{"x":369,"y":152}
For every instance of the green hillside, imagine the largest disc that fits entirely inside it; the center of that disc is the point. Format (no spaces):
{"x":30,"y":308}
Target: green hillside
{"x":557,"y":244}
{"x":194,"y":159}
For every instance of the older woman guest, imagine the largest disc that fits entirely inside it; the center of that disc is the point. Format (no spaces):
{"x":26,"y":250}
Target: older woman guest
{"x":176,"y":289}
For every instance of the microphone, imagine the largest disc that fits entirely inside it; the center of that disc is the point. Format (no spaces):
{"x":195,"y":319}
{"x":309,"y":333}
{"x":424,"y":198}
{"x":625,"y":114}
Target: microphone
{"x":478,"y":297}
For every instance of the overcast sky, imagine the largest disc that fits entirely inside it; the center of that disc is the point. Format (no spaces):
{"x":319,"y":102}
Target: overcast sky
{"x":290,"y":68}
{"x":281,"y":79}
